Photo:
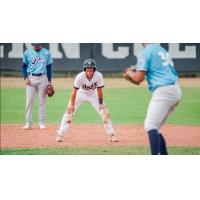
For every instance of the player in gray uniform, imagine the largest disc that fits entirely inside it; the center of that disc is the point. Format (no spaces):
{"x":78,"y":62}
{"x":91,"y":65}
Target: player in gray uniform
{"x":155,"y":64}
{"x":37,"y":75}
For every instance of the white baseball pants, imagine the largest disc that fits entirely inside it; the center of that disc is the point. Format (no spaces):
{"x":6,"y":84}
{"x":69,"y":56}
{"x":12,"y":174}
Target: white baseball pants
{"x":82,"y":97}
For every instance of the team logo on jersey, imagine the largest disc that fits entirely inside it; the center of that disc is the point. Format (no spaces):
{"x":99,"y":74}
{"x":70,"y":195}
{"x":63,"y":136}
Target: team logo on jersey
{"x":91,"y":87}
{"x":37,"y":60}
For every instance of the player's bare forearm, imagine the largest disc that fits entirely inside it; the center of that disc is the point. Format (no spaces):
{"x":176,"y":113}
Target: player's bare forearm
{"x":100,"y":95}
{"x":102,"y":106}
{"x":71,"y":107}
{"x":73,"y":96}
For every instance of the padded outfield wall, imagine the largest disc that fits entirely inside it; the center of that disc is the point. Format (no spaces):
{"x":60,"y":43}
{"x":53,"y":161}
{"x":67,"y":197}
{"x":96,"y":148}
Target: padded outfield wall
{"x":110,"y":57}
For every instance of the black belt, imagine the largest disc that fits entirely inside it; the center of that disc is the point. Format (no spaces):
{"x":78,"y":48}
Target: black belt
{"x":38,"y":74}
{"x":172,"y":83}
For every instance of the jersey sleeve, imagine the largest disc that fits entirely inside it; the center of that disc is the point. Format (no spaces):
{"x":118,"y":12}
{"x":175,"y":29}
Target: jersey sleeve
{"x":100,"y":83}
{"x":77,"y":82}
{"x":143,"y":61}
{"x":25,"y":59}
{"x":49,"y":59}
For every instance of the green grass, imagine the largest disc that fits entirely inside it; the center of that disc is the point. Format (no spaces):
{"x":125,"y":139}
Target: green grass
{"x":98,"y":151}
{"x":127,"y":105}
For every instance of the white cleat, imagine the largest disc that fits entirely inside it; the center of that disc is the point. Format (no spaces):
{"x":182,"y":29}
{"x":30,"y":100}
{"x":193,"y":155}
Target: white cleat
{"x":59,"y":138}
{"x":113,"y":138}
{"x":42,"y":126}
{"x":26,"y":127}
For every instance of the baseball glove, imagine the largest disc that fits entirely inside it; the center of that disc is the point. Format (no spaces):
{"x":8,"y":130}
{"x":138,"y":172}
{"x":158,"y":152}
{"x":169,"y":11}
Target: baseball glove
{"x":50,"y":90}
{"x":129,"y":72}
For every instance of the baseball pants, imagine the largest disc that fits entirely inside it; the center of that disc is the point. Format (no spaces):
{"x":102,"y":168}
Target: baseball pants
{"x":38,"y":86}
{"x":163,"y":102}
{"x":93,"y":100}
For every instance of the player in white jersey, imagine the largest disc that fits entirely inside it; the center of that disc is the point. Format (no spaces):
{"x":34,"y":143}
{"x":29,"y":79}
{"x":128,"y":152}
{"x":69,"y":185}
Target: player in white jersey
{"x":87,"y":88}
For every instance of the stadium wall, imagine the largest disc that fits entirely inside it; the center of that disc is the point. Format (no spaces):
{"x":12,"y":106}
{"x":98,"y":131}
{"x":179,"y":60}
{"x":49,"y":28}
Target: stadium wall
{"x":110,"y":57}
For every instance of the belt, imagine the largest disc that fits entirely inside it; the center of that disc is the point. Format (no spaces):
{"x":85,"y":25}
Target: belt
{"x":36,"y":74}
{"x":172,"y":83}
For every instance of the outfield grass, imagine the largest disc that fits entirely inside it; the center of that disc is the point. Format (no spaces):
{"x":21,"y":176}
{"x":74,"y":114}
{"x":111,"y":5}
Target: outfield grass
{"x":98,"y":151}
{"x":127,"y":105}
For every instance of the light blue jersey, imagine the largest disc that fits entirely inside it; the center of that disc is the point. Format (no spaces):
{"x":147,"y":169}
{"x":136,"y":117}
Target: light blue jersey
{"x":37,"y":61}
{"x":158,"y":65}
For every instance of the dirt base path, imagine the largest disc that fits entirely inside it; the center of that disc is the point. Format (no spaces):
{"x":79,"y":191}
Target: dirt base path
{"x":12,"y":136}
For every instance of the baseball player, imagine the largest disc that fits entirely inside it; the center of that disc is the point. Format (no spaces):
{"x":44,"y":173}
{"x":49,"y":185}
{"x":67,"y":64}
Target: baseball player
{"x":37,"y":74}
{"x":87,"y":88}
{"x":155,"y":64}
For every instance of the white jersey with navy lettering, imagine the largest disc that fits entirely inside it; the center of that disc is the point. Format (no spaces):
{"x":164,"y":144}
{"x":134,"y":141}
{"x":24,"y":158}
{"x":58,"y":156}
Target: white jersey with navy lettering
{"x":87,"y":92}
{"x":88,"y":86}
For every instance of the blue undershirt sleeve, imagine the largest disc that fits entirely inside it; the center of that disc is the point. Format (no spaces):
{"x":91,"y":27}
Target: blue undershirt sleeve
{"x":24,"y":70}
{"x":49,"y":72}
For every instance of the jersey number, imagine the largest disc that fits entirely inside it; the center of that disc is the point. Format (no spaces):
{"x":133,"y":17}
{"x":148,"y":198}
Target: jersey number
{"x":166,"y":59}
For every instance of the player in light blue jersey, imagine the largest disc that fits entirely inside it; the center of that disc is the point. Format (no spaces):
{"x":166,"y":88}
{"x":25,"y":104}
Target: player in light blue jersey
{"x":37,"y":74}
{"x":156,"y":61}
{"x":37,"y":60}
{"x":155,"y":65}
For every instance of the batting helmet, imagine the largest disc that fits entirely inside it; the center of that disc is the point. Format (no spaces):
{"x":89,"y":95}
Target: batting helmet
{"x":89,"y":63}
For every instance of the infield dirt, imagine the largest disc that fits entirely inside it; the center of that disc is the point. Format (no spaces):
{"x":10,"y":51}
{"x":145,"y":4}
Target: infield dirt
{"x":12,"y":136}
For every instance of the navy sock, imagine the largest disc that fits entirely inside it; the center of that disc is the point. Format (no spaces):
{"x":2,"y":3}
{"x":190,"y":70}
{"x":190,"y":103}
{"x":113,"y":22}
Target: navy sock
{"x":163,"y":148}
{"x":154,"y":140}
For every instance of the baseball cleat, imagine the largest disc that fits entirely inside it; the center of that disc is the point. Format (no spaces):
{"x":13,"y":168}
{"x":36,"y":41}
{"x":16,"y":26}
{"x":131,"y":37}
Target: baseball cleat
{"x":113,"y":138}
{"x":59,"y":138}
{"x":42,"y":126}
{"x":26,"y":127}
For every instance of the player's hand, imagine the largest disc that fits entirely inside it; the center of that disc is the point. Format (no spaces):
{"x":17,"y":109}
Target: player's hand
{"x":70,"y":109}
{"x":102,"y":108}
{"x":27,"y":81}
{"x":129,"y":73}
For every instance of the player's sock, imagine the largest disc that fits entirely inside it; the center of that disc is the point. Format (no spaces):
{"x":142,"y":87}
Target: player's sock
{"x":154,"y":141}
{"x":163,"y":147}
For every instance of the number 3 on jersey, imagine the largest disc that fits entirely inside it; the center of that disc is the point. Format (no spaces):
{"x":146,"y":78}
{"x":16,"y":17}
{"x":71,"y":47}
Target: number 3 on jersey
{"x":166,"y":59}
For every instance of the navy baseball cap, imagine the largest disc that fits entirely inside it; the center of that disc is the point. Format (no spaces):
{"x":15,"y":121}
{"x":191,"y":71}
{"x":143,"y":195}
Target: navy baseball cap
{"x":36,"y":44}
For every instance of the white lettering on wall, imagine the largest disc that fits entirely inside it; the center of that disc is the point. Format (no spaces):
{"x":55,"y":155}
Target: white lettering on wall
{"x":71,"y":50}
{"x":1,"y":51}
{"x":17,"y":50}
{"x":108,"y":52}
{"x":174,"y":51}
{"x":137,"y":48}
